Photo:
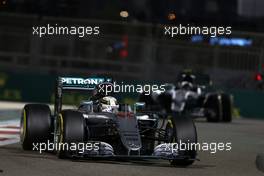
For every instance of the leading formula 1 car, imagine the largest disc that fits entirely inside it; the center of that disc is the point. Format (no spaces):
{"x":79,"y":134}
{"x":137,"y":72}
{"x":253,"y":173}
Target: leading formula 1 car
{"x":119,"y":131}
{"x":190,"y":99}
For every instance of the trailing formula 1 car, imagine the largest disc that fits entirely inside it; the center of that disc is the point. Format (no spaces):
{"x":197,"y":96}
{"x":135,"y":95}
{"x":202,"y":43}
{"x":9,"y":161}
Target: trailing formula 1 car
{"x":116,"y":131}
{"x":190,"y":99}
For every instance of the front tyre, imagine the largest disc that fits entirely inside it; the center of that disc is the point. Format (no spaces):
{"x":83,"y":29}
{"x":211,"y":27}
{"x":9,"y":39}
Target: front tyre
{"x":182,"y":130}
{"x":35,"y":125}
{"x":70,"y":130}
{"x":213,"y":107}
{"x":227,"y":107}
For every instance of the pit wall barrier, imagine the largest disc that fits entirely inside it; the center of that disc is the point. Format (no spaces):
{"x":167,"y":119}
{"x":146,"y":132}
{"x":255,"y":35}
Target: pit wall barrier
{"x":250,"y":103}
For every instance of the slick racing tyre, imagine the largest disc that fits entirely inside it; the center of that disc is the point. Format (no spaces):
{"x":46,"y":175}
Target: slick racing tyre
{"x":35,"y":125}
{"x":213,"y":107}
{"x":227,"y":106}
{"x":219,"y":108}
{"x":70,"y":130}
{"x":182,"y":130}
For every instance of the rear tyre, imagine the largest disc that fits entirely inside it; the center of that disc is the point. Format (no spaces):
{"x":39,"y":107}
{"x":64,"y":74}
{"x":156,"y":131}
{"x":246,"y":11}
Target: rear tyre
{"x":227,"y":105}
{"x":70,"y":129}
{"x":35,"y":125}
{"x":183,"y":130}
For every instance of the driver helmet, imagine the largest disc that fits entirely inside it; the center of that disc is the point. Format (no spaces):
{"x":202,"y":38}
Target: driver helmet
{"x":187,"y":81}
{"x":108,"y":104}
{"x":186,"y":85}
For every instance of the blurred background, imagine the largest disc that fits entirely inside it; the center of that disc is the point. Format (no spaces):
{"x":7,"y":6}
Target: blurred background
{"x":132,"y":47}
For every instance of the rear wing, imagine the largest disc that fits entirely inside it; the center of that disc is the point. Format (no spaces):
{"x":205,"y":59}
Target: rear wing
{"x":75,"y":84}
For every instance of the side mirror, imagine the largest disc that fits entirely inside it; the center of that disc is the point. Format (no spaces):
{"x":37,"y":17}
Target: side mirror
{"x":87,"y":106}
{"x":139,"y":106}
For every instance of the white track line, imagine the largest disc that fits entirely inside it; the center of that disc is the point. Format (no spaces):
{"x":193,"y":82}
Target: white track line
{"x":8,"y":129}
{"x":9,"y":141}
{"x":9,"y":135}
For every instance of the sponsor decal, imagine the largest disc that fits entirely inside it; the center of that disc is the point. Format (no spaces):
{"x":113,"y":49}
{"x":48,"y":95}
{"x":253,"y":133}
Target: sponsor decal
{"x":82,"y":83}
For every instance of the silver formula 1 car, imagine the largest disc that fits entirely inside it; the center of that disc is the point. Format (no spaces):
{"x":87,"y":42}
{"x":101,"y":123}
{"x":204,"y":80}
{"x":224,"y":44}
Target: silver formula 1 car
{"x":189,"y":99}
{"x":116,"y":131}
